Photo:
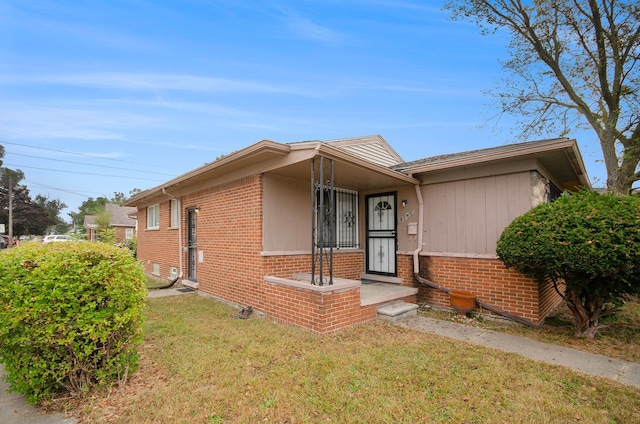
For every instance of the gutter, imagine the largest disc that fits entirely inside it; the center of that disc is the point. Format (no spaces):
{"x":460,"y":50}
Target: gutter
{"x":164,"y":191}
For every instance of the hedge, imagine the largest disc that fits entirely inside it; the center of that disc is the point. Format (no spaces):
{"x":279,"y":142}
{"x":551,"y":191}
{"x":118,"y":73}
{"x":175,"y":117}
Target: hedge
{"x":70,"y":317}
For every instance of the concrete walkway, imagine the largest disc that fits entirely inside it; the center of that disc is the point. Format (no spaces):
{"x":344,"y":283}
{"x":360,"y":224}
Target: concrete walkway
{"x":14,"y":409}
{"x":588,"y":363}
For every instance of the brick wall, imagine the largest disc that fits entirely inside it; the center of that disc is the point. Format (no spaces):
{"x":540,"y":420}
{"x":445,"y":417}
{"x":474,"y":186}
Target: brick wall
{"x":121,"y":234}
{"x":347,"y":265}
{"x":158,"y":246}
{"x":322,"y":312}
{"x":549,"y":298}
{"x":490,"y":281}
{"x":405,"y":270}
{"x":230,"y":231}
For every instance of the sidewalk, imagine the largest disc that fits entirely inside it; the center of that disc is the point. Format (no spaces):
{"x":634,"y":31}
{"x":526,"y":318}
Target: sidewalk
{"x":588,"y":363}
{"x":15,"y":410}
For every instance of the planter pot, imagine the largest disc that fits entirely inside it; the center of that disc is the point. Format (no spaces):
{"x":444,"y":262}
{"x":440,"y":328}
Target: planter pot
{"x":462,"y":301}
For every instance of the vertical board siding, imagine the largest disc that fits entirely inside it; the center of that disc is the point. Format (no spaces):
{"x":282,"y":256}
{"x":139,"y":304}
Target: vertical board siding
{"x":468,"y":216}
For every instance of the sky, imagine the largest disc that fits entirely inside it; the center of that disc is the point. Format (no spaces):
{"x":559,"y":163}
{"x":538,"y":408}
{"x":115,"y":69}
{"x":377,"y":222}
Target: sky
{"x":98,"y":97}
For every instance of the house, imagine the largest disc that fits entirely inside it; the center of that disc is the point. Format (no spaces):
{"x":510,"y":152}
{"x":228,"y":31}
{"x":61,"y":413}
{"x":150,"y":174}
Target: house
{"x":320,"y":234}
{"x":121,"y":218}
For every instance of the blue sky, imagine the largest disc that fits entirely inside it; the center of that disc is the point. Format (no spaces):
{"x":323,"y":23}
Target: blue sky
{"x":99,"y":97}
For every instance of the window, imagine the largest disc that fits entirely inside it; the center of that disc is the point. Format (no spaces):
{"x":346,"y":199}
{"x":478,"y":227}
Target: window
{"x":153,"y":217}
{"x":340,"y":229}
{"x":174,"y":213}
{"x":128,"y":233}
{"x":554,"y":192}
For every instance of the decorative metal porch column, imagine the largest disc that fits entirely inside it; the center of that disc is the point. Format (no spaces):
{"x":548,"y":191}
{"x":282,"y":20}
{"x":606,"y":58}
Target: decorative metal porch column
{"x":323,"y":218}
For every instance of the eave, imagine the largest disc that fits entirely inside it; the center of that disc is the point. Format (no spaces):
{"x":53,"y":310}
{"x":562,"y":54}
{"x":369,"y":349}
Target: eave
{"x":292,"y":160}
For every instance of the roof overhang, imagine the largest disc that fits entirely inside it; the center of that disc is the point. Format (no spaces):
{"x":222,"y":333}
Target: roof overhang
{"x":290,"y":160}
{"x":560,"y":157}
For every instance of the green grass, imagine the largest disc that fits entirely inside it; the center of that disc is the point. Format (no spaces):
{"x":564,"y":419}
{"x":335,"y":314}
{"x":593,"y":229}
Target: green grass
{"x":200,"y":364}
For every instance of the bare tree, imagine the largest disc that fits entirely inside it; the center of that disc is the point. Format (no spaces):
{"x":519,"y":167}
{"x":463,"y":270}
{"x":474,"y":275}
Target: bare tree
{"x":572,"y":63}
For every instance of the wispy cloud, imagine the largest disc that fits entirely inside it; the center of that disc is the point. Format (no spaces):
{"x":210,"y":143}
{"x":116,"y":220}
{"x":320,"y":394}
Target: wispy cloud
{"x":307,"y":29}
{"x":142,"y":81}
{"x":56,"y":122}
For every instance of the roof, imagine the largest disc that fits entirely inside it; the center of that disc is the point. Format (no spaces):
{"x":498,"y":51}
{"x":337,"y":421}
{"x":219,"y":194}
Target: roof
{"x":119,"y":216}
{"x":559,"y":155}
{"x":364,"y":163}
{"x":90,"y":221}
{"x":356,"y":171}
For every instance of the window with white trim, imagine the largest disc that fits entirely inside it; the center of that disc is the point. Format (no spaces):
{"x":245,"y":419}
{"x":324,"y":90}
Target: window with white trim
{"x":153,"y":217}
{"x":174,"y":212}
{"x":128,"y":233}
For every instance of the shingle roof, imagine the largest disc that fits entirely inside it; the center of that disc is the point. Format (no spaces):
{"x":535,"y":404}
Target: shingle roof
{"x":120,"y":215}
{"x":478,"y":154}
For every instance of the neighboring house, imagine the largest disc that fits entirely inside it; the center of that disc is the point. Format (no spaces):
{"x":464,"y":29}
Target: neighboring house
{"x":121,"y":218}
{"x":257,"y":226}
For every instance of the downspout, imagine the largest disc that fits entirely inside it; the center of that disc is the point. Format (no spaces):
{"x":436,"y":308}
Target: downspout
{"x":416,"y":253}
{"x":164,"y":191}
{"x":425,"y":282}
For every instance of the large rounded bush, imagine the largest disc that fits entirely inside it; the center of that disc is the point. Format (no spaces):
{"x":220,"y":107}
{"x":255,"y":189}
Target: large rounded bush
{"x":70,"y":317}
{"x":585,"y":241}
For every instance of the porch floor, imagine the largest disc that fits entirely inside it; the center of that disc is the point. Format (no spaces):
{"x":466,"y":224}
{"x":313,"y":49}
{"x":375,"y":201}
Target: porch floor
{"x":376,"y":293}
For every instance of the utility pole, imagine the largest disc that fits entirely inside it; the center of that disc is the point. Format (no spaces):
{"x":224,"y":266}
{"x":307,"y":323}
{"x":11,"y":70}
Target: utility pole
{"x":10,"y":192}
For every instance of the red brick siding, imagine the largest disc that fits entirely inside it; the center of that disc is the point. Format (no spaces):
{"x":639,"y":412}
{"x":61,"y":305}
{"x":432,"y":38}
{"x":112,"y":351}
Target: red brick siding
{"x":322,"y":312}
{"x":121,"y":234}
{"x":405,"y":270}
{"x":345,"y":265}
{"x":549,"y":299}
{"x":158,"y":246}
{"x":489,"y":280}
{"x":229,"y":231}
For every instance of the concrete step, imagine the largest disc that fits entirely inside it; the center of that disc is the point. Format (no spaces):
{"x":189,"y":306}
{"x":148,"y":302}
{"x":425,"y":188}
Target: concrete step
{"x":396,"y":311}
{"x":373,"y":278}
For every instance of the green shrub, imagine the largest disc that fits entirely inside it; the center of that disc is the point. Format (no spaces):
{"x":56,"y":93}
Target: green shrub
{"x":107,"y":235}
{"x":586,"y":241}
{"x":70,"y":317}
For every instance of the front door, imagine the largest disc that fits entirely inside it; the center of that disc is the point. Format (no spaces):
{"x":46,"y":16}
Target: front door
{"x":192,"y":245}
{"x":381,"y":234}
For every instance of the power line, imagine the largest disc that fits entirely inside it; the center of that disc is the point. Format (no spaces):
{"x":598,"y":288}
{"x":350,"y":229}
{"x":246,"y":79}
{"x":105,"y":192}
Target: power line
{"x":81,"y":154}
{"x":88,"y":164}
{"x":82,"y":173}
{"x":77,"y":193}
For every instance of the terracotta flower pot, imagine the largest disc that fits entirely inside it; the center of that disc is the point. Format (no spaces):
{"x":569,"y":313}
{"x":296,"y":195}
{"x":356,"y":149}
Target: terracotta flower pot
{"x":462,"y":301}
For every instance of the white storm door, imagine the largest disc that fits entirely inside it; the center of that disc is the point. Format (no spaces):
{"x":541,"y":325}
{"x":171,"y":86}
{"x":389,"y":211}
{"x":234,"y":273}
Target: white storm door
{"x":381,"y":234}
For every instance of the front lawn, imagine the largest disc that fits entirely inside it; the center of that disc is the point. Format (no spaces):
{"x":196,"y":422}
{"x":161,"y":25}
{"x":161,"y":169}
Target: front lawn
{"x":201,"y":364}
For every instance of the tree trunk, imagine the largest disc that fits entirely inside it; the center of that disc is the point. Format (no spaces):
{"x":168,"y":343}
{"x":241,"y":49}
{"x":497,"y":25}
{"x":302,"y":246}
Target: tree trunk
{"x":586,"y":310}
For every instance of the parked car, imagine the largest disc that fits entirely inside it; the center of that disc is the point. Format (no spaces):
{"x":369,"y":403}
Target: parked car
{"x":3,"y":243}
{"x":53,"y":238}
